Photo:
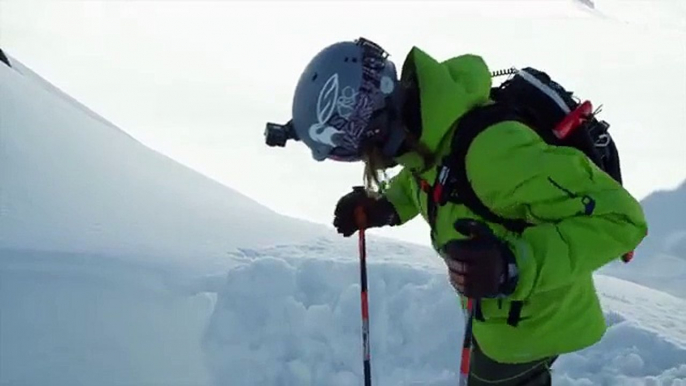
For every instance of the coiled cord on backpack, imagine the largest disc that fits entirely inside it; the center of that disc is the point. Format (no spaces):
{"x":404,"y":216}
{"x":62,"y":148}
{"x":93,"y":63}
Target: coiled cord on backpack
{"x":508,"y":71}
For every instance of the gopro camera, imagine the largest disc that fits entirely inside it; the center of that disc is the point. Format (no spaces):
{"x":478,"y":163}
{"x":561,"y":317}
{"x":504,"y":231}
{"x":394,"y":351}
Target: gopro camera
{"x":276,"y":134}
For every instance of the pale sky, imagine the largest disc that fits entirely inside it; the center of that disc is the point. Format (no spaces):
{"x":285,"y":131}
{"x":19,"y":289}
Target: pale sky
{"x":198,"y":80}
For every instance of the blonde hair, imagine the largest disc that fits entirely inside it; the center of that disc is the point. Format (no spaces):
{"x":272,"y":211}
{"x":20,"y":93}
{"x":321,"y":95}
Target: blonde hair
{"x":375,"y":163}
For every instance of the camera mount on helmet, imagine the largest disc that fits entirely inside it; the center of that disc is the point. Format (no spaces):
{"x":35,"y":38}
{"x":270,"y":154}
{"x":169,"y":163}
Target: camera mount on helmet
{"x":277,"y":134}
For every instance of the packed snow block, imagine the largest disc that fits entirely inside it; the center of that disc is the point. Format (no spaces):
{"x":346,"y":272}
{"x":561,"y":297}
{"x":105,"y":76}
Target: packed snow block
{"x":282,"y":321}
{"x":82,"y":319}
{"x":290,"y":315}
{"x":4,"y":59}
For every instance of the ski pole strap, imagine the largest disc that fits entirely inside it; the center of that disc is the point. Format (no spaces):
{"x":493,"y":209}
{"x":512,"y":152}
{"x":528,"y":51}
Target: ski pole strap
{"x":459,"y":188}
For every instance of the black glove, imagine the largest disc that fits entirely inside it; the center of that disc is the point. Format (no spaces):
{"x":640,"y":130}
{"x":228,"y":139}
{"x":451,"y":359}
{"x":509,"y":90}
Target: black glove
{"x":482,"y":266}
{"x":378,"y":210}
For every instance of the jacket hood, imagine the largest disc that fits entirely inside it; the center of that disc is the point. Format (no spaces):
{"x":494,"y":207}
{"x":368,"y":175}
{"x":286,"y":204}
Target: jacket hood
{"x":446,"y":90}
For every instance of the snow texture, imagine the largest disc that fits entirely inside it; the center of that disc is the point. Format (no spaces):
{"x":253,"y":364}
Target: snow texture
{"x":296,"y":317}
{"x":71,"y":319}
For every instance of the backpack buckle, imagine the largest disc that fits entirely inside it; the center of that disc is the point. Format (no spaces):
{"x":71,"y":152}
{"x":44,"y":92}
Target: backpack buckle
{"x":439,"y":190}
{"x":603,"y":140}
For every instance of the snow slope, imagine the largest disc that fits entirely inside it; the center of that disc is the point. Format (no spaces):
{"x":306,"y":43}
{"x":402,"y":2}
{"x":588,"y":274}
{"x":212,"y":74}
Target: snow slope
{"x":668,"y":14}
{"x":92,"y":226}
{"x":666,"y":213}
{"x":94,"y":229}
{"x":71,"y":319}
{"x":71,"y":181}
{"x":660,"y":260}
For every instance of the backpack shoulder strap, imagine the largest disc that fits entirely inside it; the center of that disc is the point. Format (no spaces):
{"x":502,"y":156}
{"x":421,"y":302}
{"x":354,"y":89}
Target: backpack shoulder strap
{"x":468,"y":128}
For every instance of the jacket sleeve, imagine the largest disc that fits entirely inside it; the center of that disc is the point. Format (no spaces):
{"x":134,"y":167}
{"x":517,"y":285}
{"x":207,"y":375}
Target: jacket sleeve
{"x":583,"y":218}
{"x":399,"y":194}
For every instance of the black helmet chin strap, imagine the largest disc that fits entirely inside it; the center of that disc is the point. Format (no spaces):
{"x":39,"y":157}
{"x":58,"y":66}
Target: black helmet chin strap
{"x":394,"y":141}
{"x":395,"y":130}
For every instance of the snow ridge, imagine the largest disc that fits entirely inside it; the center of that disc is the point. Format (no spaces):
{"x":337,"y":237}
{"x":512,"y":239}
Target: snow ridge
{"x":70,"y":182}
{"x":294,"y":318}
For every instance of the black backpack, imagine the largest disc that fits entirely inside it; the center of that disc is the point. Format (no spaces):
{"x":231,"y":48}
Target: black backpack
{"x":533,"y":98}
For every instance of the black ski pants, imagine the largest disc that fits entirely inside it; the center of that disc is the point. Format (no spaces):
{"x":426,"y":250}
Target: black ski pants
{"x":487,"y":372}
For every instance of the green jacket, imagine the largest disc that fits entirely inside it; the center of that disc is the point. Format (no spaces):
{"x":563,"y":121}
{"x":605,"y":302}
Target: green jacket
{"x":517,"y":175}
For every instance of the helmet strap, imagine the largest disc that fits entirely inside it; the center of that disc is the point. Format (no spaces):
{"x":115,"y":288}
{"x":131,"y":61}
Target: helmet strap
{"x":395,"y":139}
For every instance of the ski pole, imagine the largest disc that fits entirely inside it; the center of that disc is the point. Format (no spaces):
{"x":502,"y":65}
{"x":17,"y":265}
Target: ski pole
{"x":472,"y":229}
{"x":466,"y":345}
{"x":361,"y":219}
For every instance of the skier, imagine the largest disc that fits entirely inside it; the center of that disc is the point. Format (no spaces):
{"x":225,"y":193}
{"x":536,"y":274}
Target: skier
{"x":534,"y":289}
